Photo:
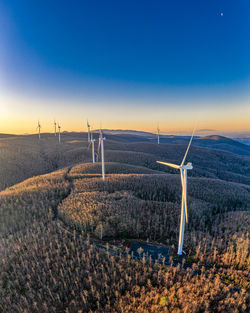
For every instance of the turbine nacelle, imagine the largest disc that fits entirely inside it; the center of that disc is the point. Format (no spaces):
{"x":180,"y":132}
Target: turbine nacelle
{"x":188,"y":166}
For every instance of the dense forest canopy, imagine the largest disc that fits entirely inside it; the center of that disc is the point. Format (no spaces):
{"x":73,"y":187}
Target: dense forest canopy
{"x":65,"y":234}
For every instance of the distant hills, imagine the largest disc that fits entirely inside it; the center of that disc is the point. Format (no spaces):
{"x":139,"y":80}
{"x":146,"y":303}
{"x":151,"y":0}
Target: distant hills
{"x":223,"y":143}
{"x":6,"y":135}
{"x":126,"y":132}
{"x":211,"y":141}
{"x":236,"y":146}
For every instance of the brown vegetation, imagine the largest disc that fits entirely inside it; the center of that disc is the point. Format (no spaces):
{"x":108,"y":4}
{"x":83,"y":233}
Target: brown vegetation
{"x":22,"y":157}
{"x":145,"y":206}
{"x":44,"y":268}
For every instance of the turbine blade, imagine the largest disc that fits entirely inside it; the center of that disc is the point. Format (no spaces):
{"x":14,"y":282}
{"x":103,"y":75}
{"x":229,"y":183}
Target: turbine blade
{"x":99,"y":148}
{"x":89,"y":145}
{"x":169,"y":164}
{"x":190,"y":141}
{"x":186,"y":209}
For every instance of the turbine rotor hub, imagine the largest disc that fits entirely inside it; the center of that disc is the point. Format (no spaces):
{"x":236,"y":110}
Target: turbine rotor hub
{"x":188,"y":166}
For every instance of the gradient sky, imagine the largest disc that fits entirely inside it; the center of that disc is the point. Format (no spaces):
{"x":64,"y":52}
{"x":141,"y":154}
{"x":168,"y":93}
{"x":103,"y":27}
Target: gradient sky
{"x":129,"y":64}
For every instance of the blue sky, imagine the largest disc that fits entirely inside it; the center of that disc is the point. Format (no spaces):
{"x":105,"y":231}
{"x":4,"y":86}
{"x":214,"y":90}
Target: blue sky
{"x":126,"y":53}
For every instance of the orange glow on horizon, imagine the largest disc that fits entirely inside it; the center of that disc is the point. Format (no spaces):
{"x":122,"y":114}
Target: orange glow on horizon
{"x":26,"y":126}
{"x":20,"y":116}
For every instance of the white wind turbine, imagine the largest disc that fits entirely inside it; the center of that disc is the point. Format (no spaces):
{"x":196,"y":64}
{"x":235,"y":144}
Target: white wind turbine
{"x":101,"y":145}
{"x":55,"y":126}
{"x":183,"y":171}
{"x":39,"y":129}
{"x":59,"y":133}
{"x":88,"y":131}
{"x":92,"y":142}
{"x":158,"y":134}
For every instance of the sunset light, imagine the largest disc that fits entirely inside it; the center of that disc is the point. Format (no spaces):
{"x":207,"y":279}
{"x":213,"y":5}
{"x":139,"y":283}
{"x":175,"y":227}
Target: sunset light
{"x":124,"y":156}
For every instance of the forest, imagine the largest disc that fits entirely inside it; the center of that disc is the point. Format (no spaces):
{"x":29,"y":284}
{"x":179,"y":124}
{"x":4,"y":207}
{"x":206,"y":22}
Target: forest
{"x":65,"y":234}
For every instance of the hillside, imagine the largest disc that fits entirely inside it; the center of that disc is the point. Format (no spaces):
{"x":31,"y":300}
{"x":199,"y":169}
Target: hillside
{"x":6,"y":135}
{"x":223,"y":143}
{"x":134,"y":204}
{"x":211,"y":141}
{"x":22,"y":157}
{"x":80,"y":263}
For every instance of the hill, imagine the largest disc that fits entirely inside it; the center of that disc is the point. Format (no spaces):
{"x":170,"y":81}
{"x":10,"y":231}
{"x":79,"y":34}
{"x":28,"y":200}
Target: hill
{"x":79,"y":263}
{"x":25,"y":156}
{"x":127,"y":132}
{"x":6,"y":135}
{"x":137,"y":201}
{"x":223,"y":143}
{"x":211,"y":141}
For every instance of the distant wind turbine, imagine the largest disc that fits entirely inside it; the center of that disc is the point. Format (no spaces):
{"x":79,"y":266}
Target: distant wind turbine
{"x":92,"y":142}
{"x":88,"y":131}
{"x":183,"y":171}
{"x":158,"y":134}
{"x":39,"y":129}
{"x":101,"y":145}
{"x":55,"y":126}
{"x":59,"y":133}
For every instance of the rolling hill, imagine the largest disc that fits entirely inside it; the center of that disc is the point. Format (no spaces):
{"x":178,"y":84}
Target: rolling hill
{"x":24,"y":156}
{"x":223,"y":143}
{"x":79,"y":263}
{"x":212,"y":141}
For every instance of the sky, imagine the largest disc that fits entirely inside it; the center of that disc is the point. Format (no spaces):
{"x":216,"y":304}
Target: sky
{"x":125,"y":64}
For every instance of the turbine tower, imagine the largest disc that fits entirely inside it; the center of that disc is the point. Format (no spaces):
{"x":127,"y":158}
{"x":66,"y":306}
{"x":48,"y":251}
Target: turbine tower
{"x":183,"y":171}
{"x":55,"y":126}
{"x":92,"y":142}
{"x":101,"y":145}
{"x":39,"y":129}
{"x":59,"y":133}
{"x":158,"y":134}
{"x":88,"y":131}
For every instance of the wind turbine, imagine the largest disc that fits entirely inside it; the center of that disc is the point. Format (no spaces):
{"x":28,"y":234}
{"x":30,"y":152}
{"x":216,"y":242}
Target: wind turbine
{"x":92,"y":142}
{"x":158,"y":134}
{"x":59,"y":133}
{"x":39,"y":129}
{"x":183,"y":171}
{"x":55,"y":126}
{"x":88,"y":131}
{"x":101,"y":145}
